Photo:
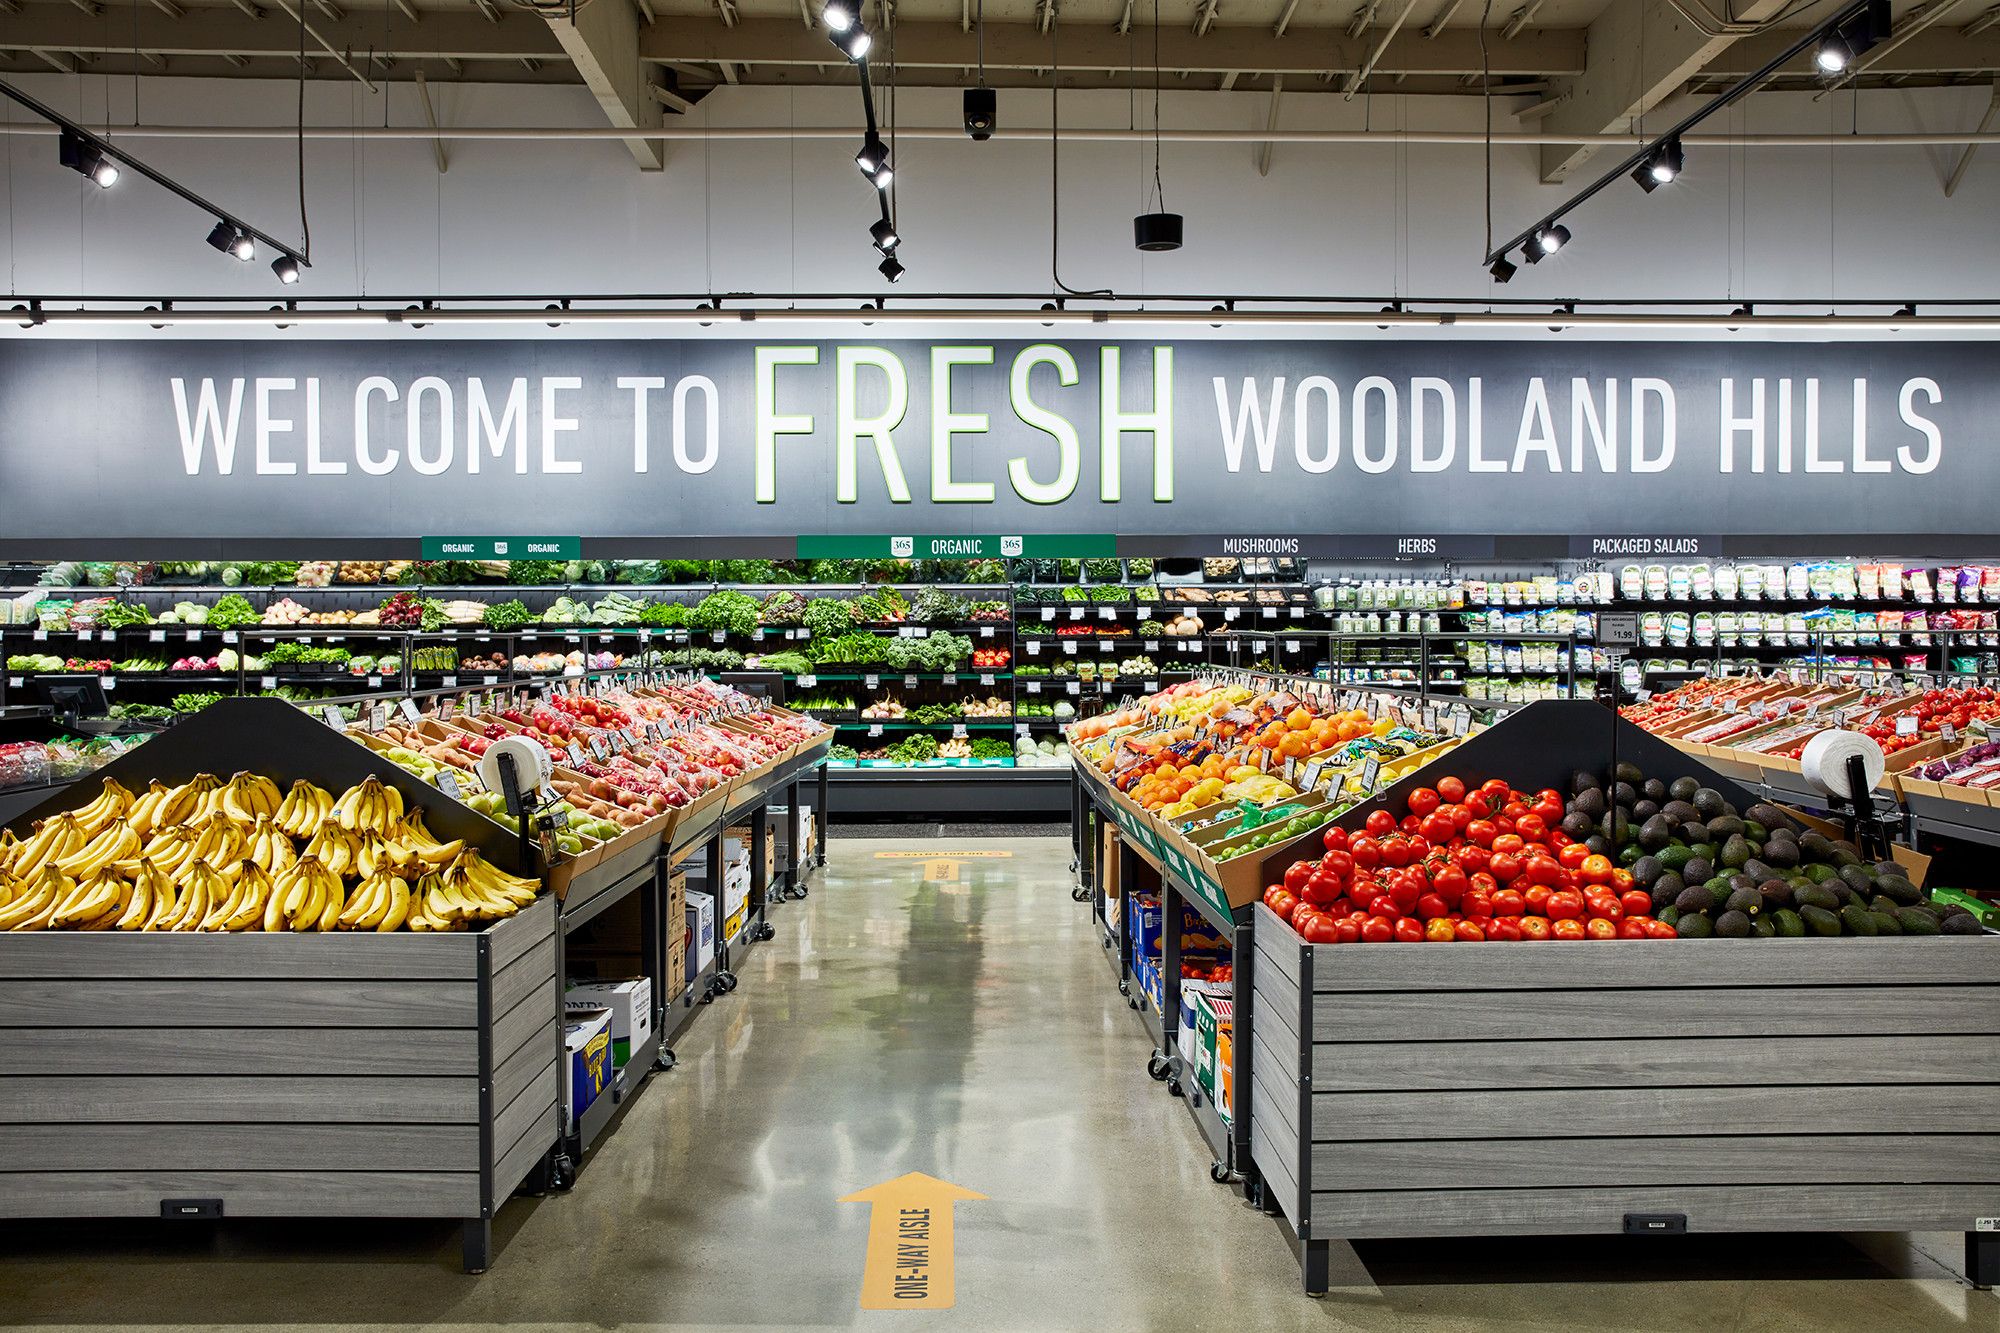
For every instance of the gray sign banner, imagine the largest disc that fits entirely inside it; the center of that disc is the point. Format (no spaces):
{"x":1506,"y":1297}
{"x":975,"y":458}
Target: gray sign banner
{"x":298,"y":441}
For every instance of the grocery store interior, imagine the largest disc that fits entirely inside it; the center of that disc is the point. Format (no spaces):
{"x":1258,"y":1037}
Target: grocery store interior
{"x":601,"y":727}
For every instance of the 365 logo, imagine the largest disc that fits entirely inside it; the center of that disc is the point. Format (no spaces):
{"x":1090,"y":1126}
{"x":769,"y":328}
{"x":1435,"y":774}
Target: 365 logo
{"x":499,"y":548}
{"x":902,"y":547}
{"x":1010,"y":546}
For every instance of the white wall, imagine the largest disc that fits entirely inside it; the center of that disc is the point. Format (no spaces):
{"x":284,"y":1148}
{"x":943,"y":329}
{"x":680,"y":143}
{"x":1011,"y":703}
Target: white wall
{"x":780,"y":216}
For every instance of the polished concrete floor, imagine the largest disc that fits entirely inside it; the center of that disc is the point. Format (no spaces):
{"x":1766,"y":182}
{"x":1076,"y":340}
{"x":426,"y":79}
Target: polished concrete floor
{"x":968,"y":1030}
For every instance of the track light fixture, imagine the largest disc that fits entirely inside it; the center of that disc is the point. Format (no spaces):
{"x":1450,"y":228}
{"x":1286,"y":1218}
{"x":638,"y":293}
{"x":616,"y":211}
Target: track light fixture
{"x":890,"y":267}
{"x":1851,"y":37}
{"x":840,"y":15}
{"x":873,"y":159}
{"x":287,"y":269}
{"x":1833,"y":54}
{"x":982,"y":112}
{"x":1661,"y":167}
{"x":884,"y":234}
{"x":223,"y":238}
{"x":1549,"y":240}
{"x":1501,"y":269}
{"x":853,"y":42}
{"x":81,"y":156}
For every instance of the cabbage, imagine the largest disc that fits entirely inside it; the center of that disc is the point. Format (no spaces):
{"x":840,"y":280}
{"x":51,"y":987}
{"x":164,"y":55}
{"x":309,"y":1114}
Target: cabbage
{"x":1048,"y":747}
{"x":232,"y":577}
{"x":227,"y":660}
{"x":167,"y":618}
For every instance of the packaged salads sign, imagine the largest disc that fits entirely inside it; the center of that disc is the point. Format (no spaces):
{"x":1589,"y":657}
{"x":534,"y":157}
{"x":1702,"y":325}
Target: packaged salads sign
{"x":303,"y":440}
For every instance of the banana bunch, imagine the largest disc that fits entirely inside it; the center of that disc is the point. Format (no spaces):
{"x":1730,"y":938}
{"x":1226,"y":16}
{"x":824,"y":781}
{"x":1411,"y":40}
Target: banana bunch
{"x":382,"y":903}
{"x":53,"y":840}
{"x":335,"y":849}
{"x":113,"y":803}
{"x":243,"y":904}
{"x":369,"y":807}
{"x":483,"y":891}
{"x":431,"y":909}
{"x":153,"y":900}
{"x":115,"y":841}
{"x":31,"y":903}
{"x":201,"y":891}
{"x":306,"y":807}
{"x":308,"y":896}
{"x":250,"y":797}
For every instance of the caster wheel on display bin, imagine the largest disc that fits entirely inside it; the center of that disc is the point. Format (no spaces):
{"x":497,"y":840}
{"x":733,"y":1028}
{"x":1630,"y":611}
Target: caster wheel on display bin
{"x":1131,"y":1004}
{"x":800,"y":891}
{"x":1124,"y":988}
{"x":666,"y":1059}
{"x":1156,"y":1068}
{"x":727,"y":980}
{"x":1218,"y":1173}
{"x":767,"y":931}
{"x":1174,"y":1088}
{"x":1079,"y":894}
{"x":562,"y":1173}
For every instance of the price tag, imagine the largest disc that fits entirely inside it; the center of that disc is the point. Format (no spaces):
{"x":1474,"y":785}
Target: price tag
{"x":15,"y":682}
{"x":1230,"y":612}
{"x":1906,"y":726}
{"x":986,"y":679}
{"x":156,"y":636}
{"x":1730,"y":706}
{"x":108,"y":636}
{"x":1430,"y":719}
{"x":599,"y":748}
{"x":874,"y":728}
{"x":270,"y":682}
{"x":1076,"y":613}
{"x":645,"y":636}
{"x":1048,"y":613}
{"x":1461,"y":723}
{"x":374,"y":682}
{"x":450,"y":682}
{"x":1645,"y":696}
{"x":489,"y":680}
{"x":1020,"y":728}
{"x":1269,"y":613}
{"x":1291,"y":645}
{"x":1840,"y":719}
{"x":1259,"y":645}
{"x":1074,"y":688}
{"x":1947,"y":732}
{"x":909,"y":682}
{"x":575,"y":755}
{"x":42,"y":636}
{"x":1034,"y":687}
{"x":808,"y":681}
{"x":229,"y":636}
{"x":83,"y":636}
{"x":958,"y":731}
{"x":1336,"y":788}
{"x":872,"y":682}
{"x":193,"y":636}
{"x":1311,"y":778}
{"x":1371,"y":769}
{"x":1034,"y":647}
{"x":1152,"y":645}
{"x":108,"y":682}
{"x":1292,"y":770}
{"x":1152,"y":687}
{"x":985,"y":631}
{"x":332,"y":716}
{"x":1105,"y":645}
{"x":1107,"y":613}
{"x":378,"y":716}
{"x":408,"y":707}
{"x":1812,"y":710}
{"x":448,"y":783}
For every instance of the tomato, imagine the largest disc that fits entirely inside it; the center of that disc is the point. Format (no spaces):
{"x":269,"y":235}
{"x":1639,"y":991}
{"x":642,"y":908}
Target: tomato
{"x":1461,"y":816}
{"x":1504,"y":824}
{"x":1565,"y":905}
{"x":1338,"y":864}
{"x":1450,"y":883}
{"x":1409,"y":824}
{"x":1597,"y":928}
{"x":1537,"y":899}
{"x":1297,"y":873}
{"x":1300,"y":911}
{"x":1622,"y":881}
{"x":1476,"y":903}
{"x":1508,"y":902}
{"x":1321,"y":930}
{"x":1437,"y":828}
{"x":1573,"y":856}
{"x":1566,"y":929}
{"x":1543,"y":870}
{"x":1430,"y":907}
{"x":1531,"y":827}
{"x":1660,"y":930}
{"x":1472,"y":858}
{"x":1377,"y":930}
{"x":1440,"y":931}
{"x":1409,"y":931}
{"x":1322,"y":887}
{"x":1422,"y":801}
{"x":1335,"y":839}
{"x":1283,"y":903}
{"x":1636,"y":903}
{"x":1350,"y":931}
{"x":1406,"y":892}
{"x":1534,"y":928}
{"x":1367,"y":853}
{"x":1384,"y":906}
{"x":1493,"y":787}
{"x":1479,"y":805}
{"x":1465,"y":930}
{"x":1481,"y":832}
{"x":1514,"y":809}
{"x":1380,"y":823}
{"x":1397,"y":851}
{"x":1632,"y":928}
{"x":1506,"y":928}
{"x":1485,"y":883}
{"x":1594,"y":870}
{"x":1506,"y":867}
{"x":1510,"y":842}
{"x":1451,"y":790}
{"x":1420,"y":847}
{"x":1559,"y":840}
{"x":1547,"y":809}
{"x":1604,"y":907}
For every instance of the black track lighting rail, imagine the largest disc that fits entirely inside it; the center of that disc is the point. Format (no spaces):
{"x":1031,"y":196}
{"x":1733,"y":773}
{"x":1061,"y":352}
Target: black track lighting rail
{"x":1497,"y":261}
{"x":110,"y":150}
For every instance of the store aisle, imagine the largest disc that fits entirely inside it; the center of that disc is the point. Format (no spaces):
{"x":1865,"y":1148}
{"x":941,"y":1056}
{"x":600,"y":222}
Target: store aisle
{"x":962,"y":1025}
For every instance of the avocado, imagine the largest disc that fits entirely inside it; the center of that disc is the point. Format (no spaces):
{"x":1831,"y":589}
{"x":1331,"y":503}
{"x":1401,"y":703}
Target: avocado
{"x":1758,"y":871}
{"x":1731,"y":810}
{"x":1886,"y":923}
{"x":1776,"y":894}
{"x":1724,"y":826}
{"x":1754,"y":831}
{"x":1739,"y":880}
{"x":1857,"y":879}
{"x":1589,"y":802}
{"x":1647,"y":869}
{"x":1581,"y":782}
{"x":1708,"y":803}
{"x":1696,"y":898}
{"x":1644,"y":811}
{"x":1819,"y":921}
{"x":1719,"y":886}
{"x":1665,"y":890}
{"x":1770,"y":816}
{"x":1735,"y":853}
{"x":1844,"y":855}
{"x":1705,"y":850}
{"x":1694,"y":833}
{"x":1819,"y":872}
{"x":1680,"y":812}
{"x":1916,"y":921}
{"x":1962,"y":923}
{"x":1697,"y":870}
{"x":1669,"y":914}
{"x":1789,"y":924}
{"x":1576,"y":826}
{"x":1628,"y":855}
{"x":1694,"y":926}
{"x":1857,"y":920}
{"x":1815,"y":848}
{"x":1619,"y":826}
{"x":1882,"y":868}
{"x":1817,"y":896}
{"x":1882,"y":905}
{"x":1673,"y":858}
{"x":1732,"y":925}
{"x":1598,"y":845}
{"x":1653,"y":790}
{"x":1761,"y":928}
{"x":1624,"y":794}
{"x":1842,"y":890}
{"x":1655,"y":834}
{"x":1629,"y":773}
{"x":1904,"y":893}
{"x":1745,"y":900}
{"x":1780,"y":853}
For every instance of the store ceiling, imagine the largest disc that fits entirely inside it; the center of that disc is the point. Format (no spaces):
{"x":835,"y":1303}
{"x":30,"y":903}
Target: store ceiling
{"x":1569,"y":63}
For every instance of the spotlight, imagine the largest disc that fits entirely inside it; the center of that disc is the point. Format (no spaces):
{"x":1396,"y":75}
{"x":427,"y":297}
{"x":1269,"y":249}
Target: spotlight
{"x":223,"y":238}
{"x":885,"y":236}
{"x":287,"y":269}
{"x":873,"y":159}
{"x":82,"y":156}
{"x":890,"y":268}
{"x":1661,"y":167}
{"x":853,"y":43}
{"x":982,"y":112}
{"x":1157,"y":231}
{"x":1501,"y":270}
{"x":1551,"y":239}
{"x":840,"y":15}
{"x":244,"y":247}
{"x":1834,"y":53}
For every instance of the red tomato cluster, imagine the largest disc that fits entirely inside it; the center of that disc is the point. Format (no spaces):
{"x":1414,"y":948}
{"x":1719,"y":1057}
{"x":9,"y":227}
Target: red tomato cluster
{"x":1193,"y":971}
{"x":990,"y":658}
{"x":1463,"y":865}
{"x":1934,"y":708}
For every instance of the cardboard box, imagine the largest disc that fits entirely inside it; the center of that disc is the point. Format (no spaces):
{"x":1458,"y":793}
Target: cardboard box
{"x":630,"y":1000}
{"x":736,"y":847}
{"x":675,"y":983}
{"x":808,"y":832}
{"x":677,"y":888}
{"x":587,"y":1066}
{"x":701,"y":930}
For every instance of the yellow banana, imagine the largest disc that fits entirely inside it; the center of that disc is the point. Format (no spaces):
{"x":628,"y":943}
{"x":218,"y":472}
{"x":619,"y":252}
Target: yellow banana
{"x":360,"y":903}
{"x":232,"y":800}
{"x":33,"y":847}
{"x":147,"y":807}
{"x":197,"y":897}
{"x":397,"y":910}
{"x":65,"y":840}
{"x":145,"y":899}
{"x":253,"y":893}
{"x":91,"y":899}
{"x":336,"y":899}
{"x":116,"y":842}
{"x":9,"y":846}
{"x":32,"y":910}
{"x":10,"y":888}
{"x":392,"y":803}
{"x":263,"y":795}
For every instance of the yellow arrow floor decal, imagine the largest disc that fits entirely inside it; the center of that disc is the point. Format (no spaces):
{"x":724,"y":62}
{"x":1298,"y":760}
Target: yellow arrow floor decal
{"x":909,"y":1243}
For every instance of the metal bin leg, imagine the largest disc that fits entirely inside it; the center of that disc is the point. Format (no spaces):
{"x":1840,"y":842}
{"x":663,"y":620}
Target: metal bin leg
{"x":1982,"y":1259}
{"x":478,"y":1244}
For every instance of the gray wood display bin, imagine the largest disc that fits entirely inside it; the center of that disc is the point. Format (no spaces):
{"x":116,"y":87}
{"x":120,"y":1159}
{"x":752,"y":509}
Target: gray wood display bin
{"x":1405,"y":1090}
{"x":253,"y":1075}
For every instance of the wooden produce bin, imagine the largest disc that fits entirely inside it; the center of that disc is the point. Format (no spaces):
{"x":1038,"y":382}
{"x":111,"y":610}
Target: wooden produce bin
{"x":1628,"y":1086}
{"x":351,"y":1074}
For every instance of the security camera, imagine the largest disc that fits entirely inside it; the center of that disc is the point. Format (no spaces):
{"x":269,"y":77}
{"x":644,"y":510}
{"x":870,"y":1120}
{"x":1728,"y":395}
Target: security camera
{"x":982,"y":112}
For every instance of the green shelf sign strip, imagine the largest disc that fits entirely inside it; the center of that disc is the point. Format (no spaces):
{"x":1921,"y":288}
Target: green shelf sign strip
{"x":1072,"y":546}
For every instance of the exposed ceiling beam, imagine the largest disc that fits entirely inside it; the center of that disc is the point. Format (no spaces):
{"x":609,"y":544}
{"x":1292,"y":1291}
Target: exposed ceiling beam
{"x":603,"y":43}
{"x":1363,"y":18}
{"x":1443,"y":17}
{"x":1965,"y":160}
{"x":1618,"y":85}
{"x":1360,"y":76}
{"x":410,"y":11}
{"x":430,"y":118}
{"x":1522,"y":18}
{"x":1270,"y":124}
{"x":1982,"y":23}
{"x":1929,"y":52}
{"x":57,"y":61}
{"x":212,"y":30}
{"x":169,"y":8}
